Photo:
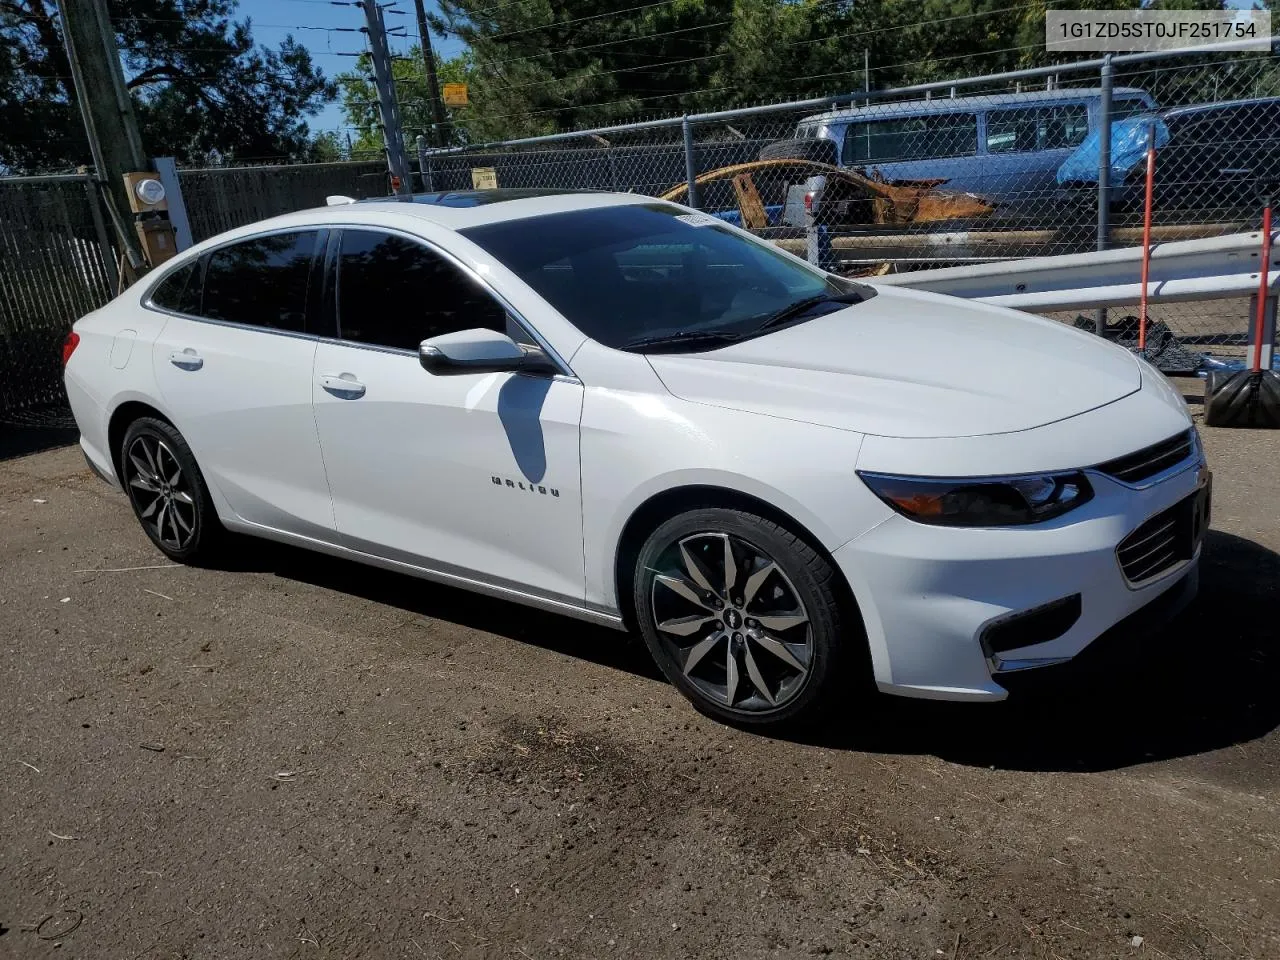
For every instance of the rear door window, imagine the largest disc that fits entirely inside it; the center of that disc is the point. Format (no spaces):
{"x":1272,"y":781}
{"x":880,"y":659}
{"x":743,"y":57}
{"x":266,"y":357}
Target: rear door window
{"x":180,"y":290}
{"x":262,"y":282}
{"x":1029,"y":129}
{"x":911,"y":138}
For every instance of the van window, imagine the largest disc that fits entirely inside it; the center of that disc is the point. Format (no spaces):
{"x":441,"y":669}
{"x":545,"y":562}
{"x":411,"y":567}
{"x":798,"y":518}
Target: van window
{"x":911,"y":138}
{"x":1130,"y":107}
{"x":1037,"y":128}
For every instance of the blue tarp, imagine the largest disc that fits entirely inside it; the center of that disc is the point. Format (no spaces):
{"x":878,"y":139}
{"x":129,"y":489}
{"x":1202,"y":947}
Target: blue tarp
{"x":1128,"y":147}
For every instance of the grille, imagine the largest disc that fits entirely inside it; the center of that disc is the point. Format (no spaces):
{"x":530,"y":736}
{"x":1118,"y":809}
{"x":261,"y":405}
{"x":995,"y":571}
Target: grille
{"x":1149,"y":461}
{"x":1163,"y":542}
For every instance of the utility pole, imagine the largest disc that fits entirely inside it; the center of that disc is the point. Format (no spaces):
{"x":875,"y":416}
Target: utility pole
{"x":388,"y":108}
{"x":439,"y":129}
{"x":105,"y":106}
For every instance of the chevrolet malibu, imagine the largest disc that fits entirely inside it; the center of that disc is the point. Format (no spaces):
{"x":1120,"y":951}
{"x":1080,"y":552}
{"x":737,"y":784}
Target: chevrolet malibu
{"x":792,"y":485}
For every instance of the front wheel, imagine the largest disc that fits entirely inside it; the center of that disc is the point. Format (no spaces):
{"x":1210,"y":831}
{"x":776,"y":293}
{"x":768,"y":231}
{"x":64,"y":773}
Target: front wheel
{"x":742,"y":616}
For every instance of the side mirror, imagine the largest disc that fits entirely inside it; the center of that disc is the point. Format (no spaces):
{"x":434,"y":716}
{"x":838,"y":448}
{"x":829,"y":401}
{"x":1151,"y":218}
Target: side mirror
{"x":478,"y":351}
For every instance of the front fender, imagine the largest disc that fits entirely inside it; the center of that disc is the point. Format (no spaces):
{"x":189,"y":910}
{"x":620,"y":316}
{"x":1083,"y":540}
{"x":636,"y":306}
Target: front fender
{"x":638,"y":446}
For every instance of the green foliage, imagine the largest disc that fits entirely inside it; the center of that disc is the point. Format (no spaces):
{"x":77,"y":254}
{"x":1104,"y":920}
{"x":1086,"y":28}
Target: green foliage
{"x":360,"y":100}
{"x":202,"y":89}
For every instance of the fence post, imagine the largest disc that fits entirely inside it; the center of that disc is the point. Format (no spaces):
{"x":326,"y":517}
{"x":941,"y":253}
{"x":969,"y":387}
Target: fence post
{"x":1264,"y":349}
{"x":690,"y":163}
{"x":424,"y":165}
{"x":818,"y":246}
{"x":167,"y":170}
{"x":100,"y":228}
{"x":1104,"y":174}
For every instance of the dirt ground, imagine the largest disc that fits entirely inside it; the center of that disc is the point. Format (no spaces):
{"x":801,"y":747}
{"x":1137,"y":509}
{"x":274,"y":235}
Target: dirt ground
{"x":306,"y":758}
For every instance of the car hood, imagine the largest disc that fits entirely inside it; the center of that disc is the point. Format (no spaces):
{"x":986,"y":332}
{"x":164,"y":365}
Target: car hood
{"x":910,"y":364}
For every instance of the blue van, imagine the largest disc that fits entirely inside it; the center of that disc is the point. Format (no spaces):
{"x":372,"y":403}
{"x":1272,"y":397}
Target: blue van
{"x":1004,"y":147}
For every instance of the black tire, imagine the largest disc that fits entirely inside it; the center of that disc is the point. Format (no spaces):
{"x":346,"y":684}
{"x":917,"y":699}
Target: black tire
{"x":831,"y":640}
{"x":816,"y":149}
{"x":164,"y":483}
{"x":1242,"y":398}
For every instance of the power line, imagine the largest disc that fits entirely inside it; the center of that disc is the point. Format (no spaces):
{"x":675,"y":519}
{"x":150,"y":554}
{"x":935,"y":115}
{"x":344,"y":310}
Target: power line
{"x":594,"y":16}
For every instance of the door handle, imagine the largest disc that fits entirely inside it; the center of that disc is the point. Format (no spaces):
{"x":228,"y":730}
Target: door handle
{"x":344,"y":385}
{"x":186,"y":359}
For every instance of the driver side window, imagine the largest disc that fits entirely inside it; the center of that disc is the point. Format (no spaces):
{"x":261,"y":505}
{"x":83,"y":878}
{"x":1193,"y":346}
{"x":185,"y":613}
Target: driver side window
{"x":396,"y":292}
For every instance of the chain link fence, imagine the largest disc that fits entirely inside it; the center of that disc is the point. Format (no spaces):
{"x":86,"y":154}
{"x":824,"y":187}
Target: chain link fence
{"x":975,"y":169}
{"x":970,"y":170}
{"x":56,"y":265}
{"x":222,"y":198}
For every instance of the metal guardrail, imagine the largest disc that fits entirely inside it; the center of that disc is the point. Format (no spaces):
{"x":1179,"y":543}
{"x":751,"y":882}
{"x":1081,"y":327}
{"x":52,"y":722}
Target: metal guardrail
{"x":1183,"y":271}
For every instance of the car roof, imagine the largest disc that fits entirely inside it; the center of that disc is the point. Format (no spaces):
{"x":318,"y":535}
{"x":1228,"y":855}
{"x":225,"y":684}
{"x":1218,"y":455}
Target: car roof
{"x":1219,"y":105}
{"x":462,"y":209}
{"x":457,"y":214}
{"x":960,"y":104}
{"x":478,"y":198}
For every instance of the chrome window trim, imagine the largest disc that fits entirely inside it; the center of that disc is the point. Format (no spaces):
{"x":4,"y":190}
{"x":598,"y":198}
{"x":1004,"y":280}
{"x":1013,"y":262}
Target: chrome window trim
{"x":566,"y":372}
{"x":150,"y":291}
{"x":471,"y":272}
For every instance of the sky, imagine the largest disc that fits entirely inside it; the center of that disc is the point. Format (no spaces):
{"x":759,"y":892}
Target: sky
{"x":313,"y":23}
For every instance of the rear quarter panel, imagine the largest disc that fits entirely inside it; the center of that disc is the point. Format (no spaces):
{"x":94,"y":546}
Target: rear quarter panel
{"x":111,"y":366}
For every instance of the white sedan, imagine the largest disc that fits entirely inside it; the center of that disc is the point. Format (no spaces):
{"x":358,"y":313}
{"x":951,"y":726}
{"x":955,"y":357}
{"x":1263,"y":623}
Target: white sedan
{"x":623,"y":410}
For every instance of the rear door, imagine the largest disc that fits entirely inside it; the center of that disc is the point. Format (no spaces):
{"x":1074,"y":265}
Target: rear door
{"x":926,"y":147}
{"x":1024,"y":148}
{"x":233,"y":366}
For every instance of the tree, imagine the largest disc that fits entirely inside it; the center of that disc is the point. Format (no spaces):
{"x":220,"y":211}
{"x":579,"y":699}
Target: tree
{"x":201,"y":86}
{"x":545,"y":65}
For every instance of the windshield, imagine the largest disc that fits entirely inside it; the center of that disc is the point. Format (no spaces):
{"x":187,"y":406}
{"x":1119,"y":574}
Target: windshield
{"x":631,"y":274}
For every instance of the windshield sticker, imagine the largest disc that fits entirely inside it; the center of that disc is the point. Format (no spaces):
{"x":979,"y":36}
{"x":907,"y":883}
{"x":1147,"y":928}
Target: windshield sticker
{"x":698,"y":219}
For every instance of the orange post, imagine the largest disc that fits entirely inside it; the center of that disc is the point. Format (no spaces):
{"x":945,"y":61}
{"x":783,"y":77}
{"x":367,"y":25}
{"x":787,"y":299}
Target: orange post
{"x":1146,"y":237}
{"x":1260,"y":319}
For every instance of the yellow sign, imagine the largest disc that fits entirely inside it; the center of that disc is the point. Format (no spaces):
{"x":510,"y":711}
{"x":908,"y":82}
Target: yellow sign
{"x":484,"y":178}
{"x":455,"y":94}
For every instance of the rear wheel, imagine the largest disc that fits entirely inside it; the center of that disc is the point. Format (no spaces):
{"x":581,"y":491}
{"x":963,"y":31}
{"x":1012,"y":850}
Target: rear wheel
{"x":741,"y":615}
{"x":168,"y":492}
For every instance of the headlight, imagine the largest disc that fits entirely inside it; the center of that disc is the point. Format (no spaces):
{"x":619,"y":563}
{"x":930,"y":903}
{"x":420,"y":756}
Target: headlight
{"x":981,"y":501}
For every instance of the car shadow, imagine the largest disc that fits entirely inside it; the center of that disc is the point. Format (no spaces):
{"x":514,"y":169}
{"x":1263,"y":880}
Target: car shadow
{"x":1205,"y":681}
{"x":24,"y":432}
{"x":561,"y":634}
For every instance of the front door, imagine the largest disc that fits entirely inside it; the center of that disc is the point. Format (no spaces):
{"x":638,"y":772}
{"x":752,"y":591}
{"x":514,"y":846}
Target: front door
{"x":473,"y":475}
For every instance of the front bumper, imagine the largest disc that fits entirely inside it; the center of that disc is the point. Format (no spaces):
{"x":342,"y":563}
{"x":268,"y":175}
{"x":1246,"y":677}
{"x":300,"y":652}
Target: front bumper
{"x":927,"y":594}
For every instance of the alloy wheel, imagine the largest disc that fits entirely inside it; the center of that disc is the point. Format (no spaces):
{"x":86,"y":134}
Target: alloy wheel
{"x":732,"y":621}
{"x":161,"y":492}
